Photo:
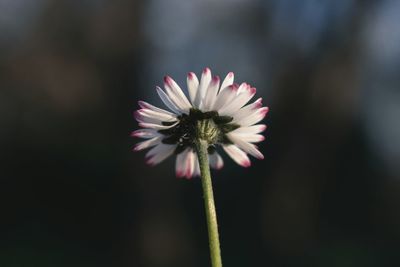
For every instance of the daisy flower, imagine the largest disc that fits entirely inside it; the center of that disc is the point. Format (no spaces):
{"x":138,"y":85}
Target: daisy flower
{"x":214,"y":112}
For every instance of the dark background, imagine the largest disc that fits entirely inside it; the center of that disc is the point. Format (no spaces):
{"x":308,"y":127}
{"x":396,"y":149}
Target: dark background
{"x":72,"y":193}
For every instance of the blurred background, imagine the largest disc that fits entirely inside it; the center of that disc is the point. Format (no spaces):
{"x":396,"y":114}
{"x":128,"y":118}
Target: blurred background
{"x":72,"y":193}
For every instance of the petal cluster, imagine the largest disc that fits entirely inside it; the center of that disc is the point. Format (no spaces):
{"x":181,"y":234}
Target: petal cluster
{"x":168,"y":132}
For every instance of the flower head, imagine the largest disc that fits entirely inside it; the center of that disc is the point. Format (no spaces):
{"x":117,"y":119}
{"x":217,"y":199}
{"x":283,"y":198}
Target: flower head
{"x":215,"y":113}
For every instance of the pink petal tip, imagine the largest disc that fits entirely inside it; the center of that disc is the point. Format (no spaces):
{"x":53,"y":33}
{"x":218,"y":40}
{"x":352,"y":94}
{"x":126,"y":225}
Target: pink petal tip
{"x":234,"y":87}
{"x":258,"y":103}
{"x":180,"y":174}
{"x":260,"y":157}
{"x":137,"y":115}
{"x":215,"y":79}
{"x":149,"y":161}
{"x":167,"y":80}
{"x":264,"y":111}
{"x":206,"y":70}
{"x":246,"y":163}
{"x":219,"y":167}
{"x":142,"y":104}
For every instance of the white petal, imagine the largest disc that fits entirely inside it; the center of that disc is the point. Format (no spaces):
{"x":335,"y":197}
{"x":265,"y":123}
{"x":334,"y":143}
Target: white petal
{"x":227,"y":81}
{"x":251,"y":138}
{"x":253,"y":118}
{"x":225,"y":96}
{"x":159,"y":153}
{"x":237,"y":155}
{"x":211,"y":94}
{"x":176,"y":100}
{"x":193,"y":85}
{"x":145,"y":133}
{"x":161,"y":115}
{"x":140,"y":118}
{"x":175,"y":92}
{"x":181,"y":163}
{"x":239,"y":101}
{"x":150,"y":116}
{"x":247,"y":110}
{"x":254,"y":129}
{"x":167,"y":101}
{"x":191,"y":162}
{"x":216,"y":161}
{"x":156,"y":126}
{"x":196,"y":169}
{"x":146,"y":105}
{"x":245,"y":146}
{"x":148,"y":143}
{"x":185,"y":163}
{"x":201,"y":92}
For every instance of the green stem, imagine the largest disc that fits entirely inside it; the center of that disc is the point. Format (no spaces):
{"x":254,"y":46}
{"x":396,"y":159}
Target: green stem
{"x":202,"y":152}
